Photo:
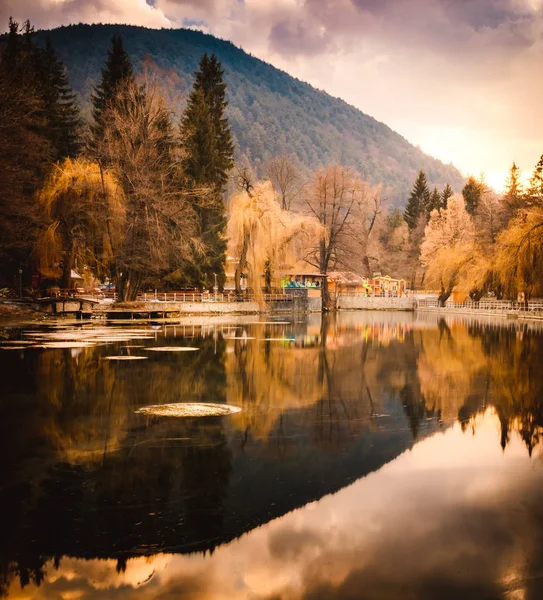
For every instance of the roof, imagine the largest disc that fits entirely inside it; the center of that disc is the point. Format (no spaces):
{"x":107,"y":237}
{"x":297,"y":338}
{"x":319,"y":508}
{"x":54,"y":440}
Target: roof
{"x":347,"y":278}
{"x":301,"y":274}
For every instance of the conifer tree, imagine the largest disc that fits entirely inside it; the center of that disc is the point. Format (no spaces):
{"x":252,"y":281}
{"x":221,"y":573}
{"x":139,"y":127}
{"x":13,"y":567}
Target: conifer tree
{"x":534,"y":193}
{"x":445,"y":195}
{"x":418,"y":201}
{"x":61,"y":110}
{"x":209,"y":158}
{"x":116,"y":71}
{"x":434,"y":203}
{"x":472,"y":192}
{"x":25,"y":151}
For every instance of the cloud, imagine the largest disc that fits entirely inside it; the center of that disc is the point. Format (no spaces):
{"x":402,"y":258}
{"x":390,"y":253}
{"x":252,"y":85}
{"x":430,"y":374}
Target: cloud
{"x":46,"y":14}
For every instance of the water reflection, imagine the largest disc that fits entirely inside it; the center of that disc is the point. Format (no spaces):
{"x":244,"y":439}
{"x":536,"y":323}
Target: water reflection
{"x":325,"y":402}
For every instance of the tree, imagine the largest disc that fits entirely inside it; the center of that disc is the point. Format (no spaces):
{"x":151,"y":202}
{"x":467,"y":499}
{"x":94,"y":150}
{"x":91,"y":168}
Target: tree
{"x":514,"y":198}
{"x":519,"y":255}
{"x":209,"y":159}
{"x":365,"y":214}
{"x":331,"y":199}
{"x":285,"y":179}
{"x":159,"y":234}
{"x":445,"y":195}
{"x":534,"y":193}
{"x":116,"y":72}
{"x":418,"y":201}
{"x":435,"y":202}
{"x":263,"y":236}
{"x":447,"y":247}
{"x":472,"y":194}
{"x":85,"y":208}
{"x":25,"y":152}
{"x":61,"y":110}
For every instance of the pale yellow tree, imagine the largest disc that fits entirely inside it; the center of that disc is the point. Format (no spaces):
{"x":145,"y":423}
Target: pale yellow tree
{"x":264,"y":237}
{"x":519,"y":255}
{"x":448,"y":247}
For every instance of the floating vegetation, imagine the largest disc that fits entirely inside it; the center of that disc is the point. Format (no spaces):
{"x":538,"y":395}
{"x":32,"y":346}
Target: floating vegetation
{"x":13,"y":347}
{"x":173,"y":349}
{"x":125,"y":357}
{"x":188,"y":409}
{"x":64,"y":345}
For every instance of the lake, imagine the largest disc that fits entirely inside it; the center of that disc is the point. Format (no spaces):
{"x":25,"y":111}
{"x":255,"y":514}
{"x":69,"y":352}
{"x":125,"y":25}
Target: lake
{"x":375,"y":455}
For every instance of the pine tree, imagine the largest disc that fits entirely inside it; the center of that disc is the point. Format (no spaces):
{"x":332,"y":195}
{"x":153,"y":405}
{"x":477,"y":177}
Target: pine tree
{"x":445,"y":195}
{"x":116,"y":71}
{"x":472,"y":192}
{"x":209,"y":80}
{"x":61,"y":110}
{"x":534,"y":193}
{"x":418,"y":201}
{"x":25,"y":151}
{"x":209,"y":158}
{"x":434,"y":203}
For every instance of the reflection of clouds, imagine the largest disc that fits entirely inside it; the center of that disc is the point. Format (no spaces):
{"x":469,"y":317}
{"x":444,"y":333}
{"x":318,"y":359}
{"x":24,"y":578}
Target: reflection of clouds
{"x":453,"y":517}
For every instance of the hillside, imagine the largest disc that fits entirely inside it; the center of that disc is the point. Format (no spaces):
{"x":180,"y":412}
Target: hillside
{"x":270,"y":112}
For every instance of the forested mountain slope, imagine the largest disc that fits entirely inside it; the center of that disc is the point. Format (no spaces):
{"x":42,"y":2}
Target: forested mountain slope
{"x":270,"y":112}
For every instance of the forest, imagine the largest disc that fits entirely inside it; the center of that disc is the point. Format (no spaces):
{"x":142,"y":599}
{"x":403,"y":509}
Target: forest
{"x":148,"y":191}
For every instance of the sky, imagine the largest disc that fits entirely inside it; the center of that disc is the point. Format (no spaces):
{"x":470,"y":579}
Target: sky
{"x":459,"y":78}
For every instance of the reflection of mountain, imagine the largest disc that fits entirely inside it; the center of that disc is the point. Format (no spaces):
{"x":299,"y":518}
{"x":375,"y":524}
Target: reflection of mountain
{"x":82,"y":475}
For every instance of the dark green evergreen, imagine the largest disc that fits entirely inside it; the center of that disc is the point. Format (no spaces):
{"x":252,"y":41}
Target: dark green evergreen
{"x":60,"y":106}
{"x":434,"y":202}
{"x":209,"y":158}
{"x":445,"y":195}
{"x":472,"y":192}
{"x":117,"y":69}
{"x":418,"y":201}
{"x":25,"y":153}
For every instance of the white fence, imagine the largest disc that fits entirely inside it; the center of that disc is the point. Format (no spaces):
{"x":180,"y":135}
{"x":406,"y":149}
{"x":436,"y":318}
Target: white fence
{"x":495,"y":306}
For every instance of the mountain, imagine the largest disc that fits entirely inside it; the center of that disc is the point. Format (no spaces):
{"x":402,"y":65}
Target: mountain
{"x":270,"y":112}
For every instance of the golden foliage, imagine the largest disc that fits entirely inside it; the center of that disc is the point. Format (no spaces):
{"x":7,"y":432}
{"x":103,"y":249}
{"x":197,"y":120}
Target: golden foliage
{"x":519,"y":254}
{"x":272,"y":238}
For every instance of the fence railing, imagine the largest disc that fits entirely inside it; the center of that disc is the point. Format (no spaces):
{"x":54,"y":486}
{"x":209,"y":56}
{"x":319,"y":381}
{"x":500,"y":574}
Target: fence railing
{"x":208,"y":297}
{"x":497,"y":306}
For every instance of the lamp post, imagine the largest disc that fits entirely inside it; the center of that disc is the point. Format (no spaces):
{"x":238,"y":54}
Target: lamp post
{"x":215,"y":287}
{"x":20,"y":282}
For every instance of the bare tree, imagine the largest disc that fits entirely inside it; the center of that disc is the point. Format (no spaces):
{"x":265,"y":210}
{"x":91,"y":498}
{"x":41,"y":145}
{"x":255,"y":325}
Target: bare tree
{"x":366,"y":211}
{"x":332,"y":199}
{"x":285,"y":179}
{"x":140,"y":149}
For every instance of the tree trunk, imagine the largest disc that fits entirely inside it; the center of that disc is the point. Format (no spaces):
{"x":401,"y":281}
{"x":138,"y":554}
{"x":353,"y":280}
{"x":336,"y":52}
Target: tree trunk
{"x":443,"y":297}
{"x":67,"y":268}
{"x":242,"y":262}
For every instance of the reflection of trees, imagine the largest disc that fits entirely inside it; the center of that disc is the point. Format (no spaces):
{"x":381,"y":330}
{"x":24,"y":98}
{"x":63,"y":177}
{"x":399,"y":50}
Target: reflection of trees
{"x":82,"y":468}
{"x":479,"y":365}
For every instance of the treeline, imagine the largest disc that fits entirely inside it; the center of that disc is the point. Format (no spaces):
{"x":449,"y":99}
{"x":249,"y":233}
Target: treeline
{"x":477,"y":242}
{"x":132,"y":196}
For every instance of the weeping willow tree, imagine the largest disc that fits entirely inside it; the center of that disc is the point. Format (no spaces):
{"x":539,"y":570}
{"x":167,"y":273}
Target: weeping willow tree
{"x":85,"y":208}
{"x":265,"y":237}
{"x":519,"y":255}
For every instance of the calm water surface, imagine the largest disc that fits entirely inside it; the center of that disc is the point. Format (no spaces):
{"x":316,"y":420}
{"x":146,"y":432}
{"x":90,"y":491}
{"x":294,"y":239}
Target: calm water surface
{"x":375,"y":456}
